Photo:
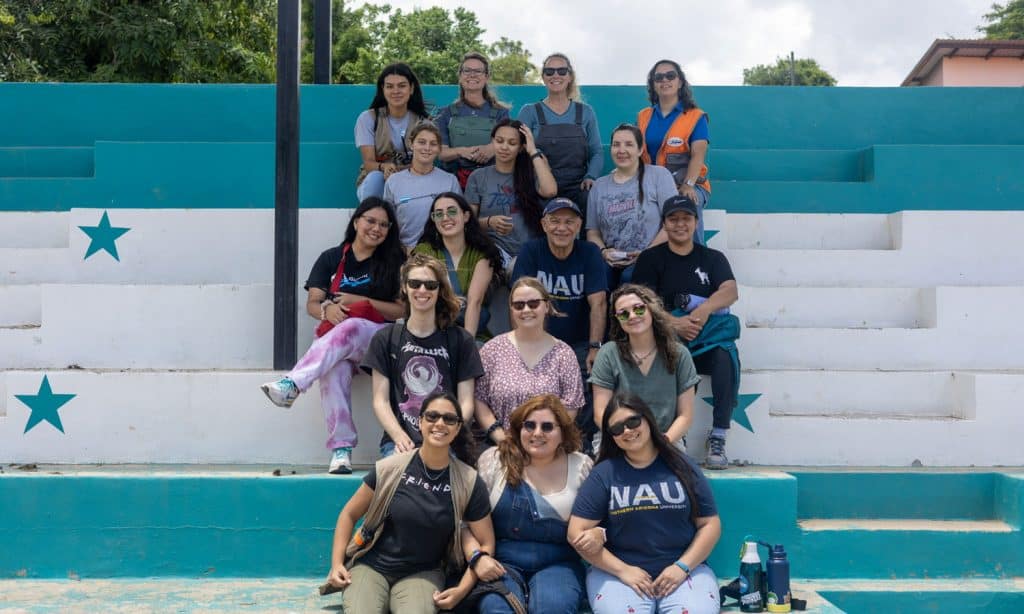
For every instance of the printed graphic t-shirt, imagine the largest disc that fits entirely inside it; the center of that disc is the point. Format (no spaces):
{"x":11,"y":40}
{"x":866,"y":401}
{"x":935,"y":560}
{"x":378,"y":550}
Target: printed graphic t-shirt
{"x":672,"y":276}
{"x":357,"y":279}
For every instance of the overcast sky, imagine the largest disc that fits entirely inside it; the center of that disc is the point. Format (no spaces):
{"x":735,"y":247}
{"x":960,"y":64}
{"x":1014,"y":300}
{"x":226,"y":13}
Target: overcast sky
{"x":860,"y":42}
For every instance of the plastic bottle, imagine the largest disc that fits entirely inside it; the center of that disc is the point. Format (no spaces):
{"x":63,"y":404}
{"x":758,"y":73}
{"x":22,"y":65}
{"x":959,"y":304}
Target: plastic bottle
{"x":778,"y":580}
{"x":751,"y":579}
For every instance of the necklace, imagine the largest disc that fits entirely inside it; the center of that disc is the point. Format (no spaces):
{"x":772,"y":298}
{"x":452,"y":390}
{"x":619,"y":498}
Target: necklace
{"x":433,"y":477}
{"x":639,"y":359}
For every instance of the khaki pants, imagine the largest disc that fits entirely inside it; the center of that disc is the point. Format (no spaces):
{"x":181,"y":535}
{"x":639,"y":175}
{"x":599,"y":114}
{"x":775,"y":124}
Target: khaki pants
{"x":372,"y":593}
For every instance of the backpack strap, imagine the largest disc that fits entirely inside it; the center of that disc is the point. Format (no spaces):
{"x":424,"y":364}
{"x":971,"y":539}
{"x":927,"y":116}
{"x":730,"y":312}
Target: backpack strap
{"x":394,"y":339}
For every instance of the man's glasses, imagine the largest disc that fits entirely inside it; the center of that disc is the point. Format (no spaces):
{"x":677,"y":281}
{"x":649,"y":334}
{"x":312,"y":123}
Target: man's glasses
{"x":382,"y":224}
{"x":432,"y":416}
{"x":561,"y":70}
{"x":665,"y":76}
{"x":429,"y":284}
{"x":632,"y":423}
{"x":545,"y":427}
{"x":439,"y":214}
{"x":637,"y":310}
{"x":533,"y":303}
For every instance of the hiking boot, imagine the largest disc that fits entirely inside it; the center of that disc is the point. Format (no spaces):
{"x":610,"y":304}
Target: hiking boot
{"x":341,"y":461}
{"x":282,"y":393}
{"x":716,"y":458}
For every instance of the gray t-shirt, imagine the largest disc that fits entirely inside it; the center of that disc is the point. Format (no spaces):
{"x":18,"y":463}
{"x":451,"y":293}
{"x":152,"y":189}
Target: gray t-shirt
{"x":626,"y":225}
{"x":494,"y":193}
{"x":364,"y":129}
{"x":613,"y":373}
{"x":412,"y":196}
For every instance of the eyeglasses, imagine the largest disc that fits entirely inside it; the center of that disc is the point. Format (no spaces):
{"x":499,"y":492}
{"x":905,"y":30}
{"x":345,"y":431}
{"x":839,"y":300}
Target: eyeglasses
{"x":382,"y":224}
{"x":432,"y":416}
{"x":439,"y":214}
{"x":638,"y":310}
{"x":561,"y":70}
{"x":665,"y":76}
{"x":631,"y":423}
{"x":429,"y":284}
{"x":545,"y":427}
{"x":473,"y":72}
{"x":533,"y":303}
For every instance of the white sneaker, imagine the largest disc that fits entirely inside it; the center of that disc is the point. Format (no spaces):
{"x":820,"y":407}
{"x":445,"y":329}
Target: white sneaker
{"x":282,"y":393}
{"x":341,"y":461}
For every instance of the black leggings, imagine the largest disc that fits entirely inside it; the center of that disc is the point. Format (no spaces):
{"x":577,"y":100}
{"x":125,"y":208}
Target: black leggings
{"x":717,"y":363}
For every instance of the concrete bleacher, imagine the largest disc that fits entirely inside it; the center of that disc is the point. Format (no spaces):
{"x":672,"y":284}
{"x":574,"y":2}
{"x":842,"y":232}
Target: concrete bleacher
{"x":879,"y":262}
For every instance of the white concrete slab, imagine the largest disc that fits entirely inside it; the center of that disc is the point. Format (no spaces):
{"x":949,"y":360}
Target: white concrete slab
{"x":809,"y":231}
{"x":20,"y":306}
{"x":33,"y":229}
{"x":857,"y":308}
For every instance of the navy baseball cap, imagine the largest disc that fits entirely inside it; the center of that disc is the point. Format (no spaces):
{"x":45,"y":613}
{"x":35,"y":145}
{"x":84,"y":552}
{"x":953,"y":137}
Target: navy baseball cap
{"x":679,"y":202}
{"x":561,"y":203}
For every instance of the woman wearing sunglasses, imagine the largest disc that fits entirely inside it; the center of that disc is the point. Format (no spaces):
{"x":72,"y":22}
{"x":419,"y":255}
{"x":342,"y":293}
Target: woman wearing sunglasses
{"x":413,"y":190}
{"x":533,"y":477}
{"x":566,"y":131}
{"x":660,"y":517}
{"x":353,"y":290}
{"x":421,"y":355}
{"x":645,"y":358}
{"x":412,"y":505}
{"x":453,"y":236}
{"x":676,"y":134}
{"x":525,"y":362}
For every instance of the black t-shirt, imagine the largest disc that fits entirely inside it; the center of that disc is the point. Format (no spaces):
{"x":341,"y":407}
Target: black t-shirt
{"x":417,"y":368}
{"x":699,"y":273}
{"x":420,"y":523}
{"x":357,"y":279}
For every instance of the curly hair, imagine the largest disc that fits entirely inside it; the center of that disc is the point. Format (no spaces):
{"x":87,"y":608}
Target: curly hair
{"x":463,"y":446}
{"x":475,"y":236}
{"x":448,"y":306}
{"x":685,"y":93}
{"x":664,"y":336}
{"x":524,"y":178}
{"x":511,"y":454}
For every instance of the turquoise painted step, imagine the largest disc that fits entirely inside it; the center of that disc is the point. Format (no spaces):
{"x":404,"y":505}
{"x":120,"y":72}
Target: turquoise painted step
{"x":787,"y":165}
{"x":46,"y":162}
{"x":917,"y":602}
{"x":919,"y":495}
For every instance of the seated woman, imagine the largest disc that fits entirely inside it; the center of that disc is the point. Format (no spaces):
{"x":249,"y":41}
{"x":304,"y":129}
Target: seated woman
{"x":424,"y":354}
{"x":660,"y":517}
{"x":507,"y":196}
{"x":533,"y":477}
{"x":413,"y":190}
{"x":380,"y":130}
{"x":412,"y":505}
{"x":466,"y":124}
{"x":624,"y":211}
{"x":676,"y":134}
{"x":566,"y":131}
{"x":453,"y":236}
{"x":645,"y":358}
{"x":525,"y":362}
{"x":353,"y":291}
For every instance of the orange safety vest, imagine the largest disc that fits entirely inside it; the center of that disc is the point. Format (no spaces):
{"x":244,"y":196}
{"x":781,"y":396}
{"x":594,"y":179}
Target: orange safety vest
{"x":676,"y":142}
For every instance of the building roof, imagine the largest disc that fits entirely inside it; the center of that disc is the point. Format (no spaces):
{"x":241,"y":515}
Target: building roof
{"x":980,"y":48}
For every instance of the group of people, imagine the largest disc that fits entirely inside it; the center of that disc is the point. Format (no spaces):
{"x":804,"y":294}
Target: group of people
{"x":406,"y":297}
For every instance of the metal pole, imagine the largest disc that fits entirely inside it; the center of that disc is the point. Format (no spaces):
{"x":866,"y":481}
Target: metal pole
{"x":322,"y":42}
{"x":286,"y":185}
{"x":792,"y":68}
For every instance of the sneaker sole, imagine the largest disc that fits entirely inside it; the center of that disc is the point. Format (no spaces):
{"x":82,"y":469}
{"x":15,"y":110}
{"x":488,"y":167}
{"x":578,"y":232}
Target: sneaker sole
{"x":340,"y":471}
{"x":716,"y":467}
{"x":266,"y":390}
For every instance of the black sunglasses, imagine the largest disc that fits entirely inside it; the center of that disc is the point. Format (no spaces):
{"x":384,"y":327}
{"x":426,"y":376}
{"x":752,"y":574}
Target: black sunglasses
{"x":432,"y":416}
{"x":545,"y":427}
{"x":632,"y":422}
{"x":429,"y":284}
{"x":561,"y":70}
{"x":665,"y":76}
{"x":533,"y":303}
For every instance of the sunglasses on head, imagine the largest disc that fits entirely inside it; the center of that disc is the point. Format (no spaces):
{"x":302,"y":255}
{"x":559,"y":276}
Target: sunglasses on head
{"x":432,"y":416}
{"x":429,"y":284}
{"x":533,"y":303}
{"x":632,"y":423}
{"x":545,"y":427}
{"x":665,"y":76}
{"x":561,"y":70}
{"x":638,"y":310}
{"x":439,"y":214}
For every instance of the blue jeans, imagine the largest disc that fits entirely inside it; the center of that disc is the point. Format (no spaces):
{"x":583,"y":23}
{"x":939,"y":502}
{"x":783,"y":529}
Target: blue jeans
{"x":698,"y":594}
{"x":372,"y":185}
{"x":702,"y":203}
{"x":555,"y":589}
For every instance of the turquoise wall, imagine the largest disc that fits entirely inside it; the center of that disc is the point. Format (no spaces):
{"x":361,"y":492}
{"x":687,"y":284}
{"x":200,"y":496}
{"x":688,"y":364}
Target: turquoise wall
{"x":773,"y":149}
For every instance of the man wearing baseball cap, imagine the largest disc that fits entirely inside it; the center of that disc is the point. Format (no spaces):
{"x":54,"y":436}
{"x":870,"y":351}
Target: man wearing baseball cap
{"x":697,"y":286}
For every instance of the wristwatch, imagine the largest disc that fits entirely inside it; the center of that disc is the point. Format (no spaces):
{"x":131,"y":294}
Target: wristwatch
{"x":595,"y":345}
{"x":691,"y":182}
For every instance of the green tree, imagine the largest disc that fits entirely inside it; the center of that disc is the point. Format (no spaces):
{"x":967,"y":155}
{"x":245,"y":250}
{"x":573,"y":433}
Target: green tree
{"x":510,"y":63}
{"x":1005,"y":22}
{"x":807,"y":73}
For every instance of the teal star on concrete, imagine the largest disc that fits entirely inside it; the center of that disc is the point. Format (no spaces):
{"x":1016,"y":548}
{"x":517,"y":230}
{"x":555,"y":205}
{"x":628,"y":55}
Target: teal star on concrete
{"x":739,"y":415}
{"x":103,"y":237}
{"x":44,"y":405}
{"x":708,"y":234}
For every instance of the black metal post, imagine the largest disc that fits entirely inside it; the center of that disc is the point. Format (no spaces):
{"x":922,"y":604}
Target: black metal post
{"x":286,"y":185}
{"x":322,"y":42}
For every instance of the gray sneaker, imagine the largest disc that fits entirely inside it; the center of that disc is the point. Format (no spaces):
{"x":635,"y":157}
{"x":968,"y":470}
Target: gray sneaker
{"x":282,"y":393}
{"x":341,"y":461}
{"x":716,"y":458}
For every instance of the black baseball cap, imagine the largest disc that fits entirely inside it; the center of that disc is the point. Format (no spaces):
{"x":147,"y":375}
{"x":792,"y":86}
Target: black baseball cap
{"x":561,"y":203}
{"x":679,"y":202}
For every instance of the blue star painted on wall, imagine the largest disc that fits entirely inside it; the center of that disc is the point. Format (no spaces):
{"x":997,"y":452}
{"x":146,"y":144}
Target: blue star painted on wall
{"x":44,"y":405}
{"x":739,"y":415}
{"x":103,"y":237}
{"x":708,"y":234}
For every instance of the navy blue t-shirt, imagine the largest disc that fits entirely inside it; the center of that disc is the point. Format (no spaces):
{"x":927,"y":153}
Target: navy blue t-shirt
{"x":568,"y":281}
{"x":645,"y":511}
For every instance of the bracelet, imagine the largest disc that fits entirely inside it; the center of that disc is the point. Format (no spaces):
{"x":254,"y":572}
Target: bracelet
{"x":537,"y":154}
{"x":492,"y":428}
{"x":475,"y":558}
{"x":489,"y":221}
{"x":683,"y":566}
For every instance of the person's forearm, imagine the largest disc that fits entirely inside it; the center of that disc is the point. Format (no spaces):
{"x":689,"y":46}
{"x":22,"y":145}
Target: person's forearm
{"x":679,"y":427}
{"x":342,"y":534}
{"x":698,"y":152}
{"x":703,"y":543}
{"x":472,"y":320}
{"x":450,"y":153}
{"x":598,"y":319}
{"x":594,"y":236}
{"x":314,"y":310}
{"x":388,"y":422}
{"x":391,"y":310}
{"x":659,"y":238}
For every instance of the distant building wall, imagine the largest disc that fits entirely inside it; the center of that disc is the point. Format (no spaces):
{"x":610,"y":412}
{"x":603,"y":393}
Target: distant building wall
{"x":993,"y":72}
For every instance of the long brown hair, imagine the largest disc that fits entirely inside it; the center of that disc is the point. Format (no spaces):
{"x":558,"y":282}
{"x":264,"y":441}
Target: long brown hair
{"x":448,"y":306}
{"x":510,"y":451}
{"x":664,"y":336}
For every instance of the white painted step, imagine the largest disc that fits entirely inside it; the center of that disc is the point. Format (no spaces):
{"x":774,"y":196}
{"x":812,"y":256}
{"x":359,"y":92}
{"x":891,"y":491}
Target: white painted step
{"x":33,"y":229}
{"x":903,"y":524}
{"x":20,"y":306}
{"x":851,"y":308}
{"x":809,"y":231}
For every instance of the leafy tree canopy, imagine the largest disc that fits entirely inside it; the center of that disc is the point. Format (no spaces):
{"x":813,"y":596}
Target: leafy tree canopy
{"x":807,"y":73}
{"x":1005,"y":22}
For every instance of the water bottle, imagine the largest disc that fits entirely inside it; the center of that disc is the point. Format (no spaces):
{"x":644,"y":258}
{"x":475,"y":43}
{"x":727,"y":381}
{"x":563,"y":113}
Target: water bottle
{"x":778,"y":580}
{"x":751,"y":579}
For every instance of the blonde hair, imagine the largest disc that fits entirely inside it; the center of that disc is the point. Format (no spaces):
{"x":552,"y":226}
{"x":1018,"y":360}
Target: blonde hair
{"x":573,"y":91}
{"x":533,"y":282}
